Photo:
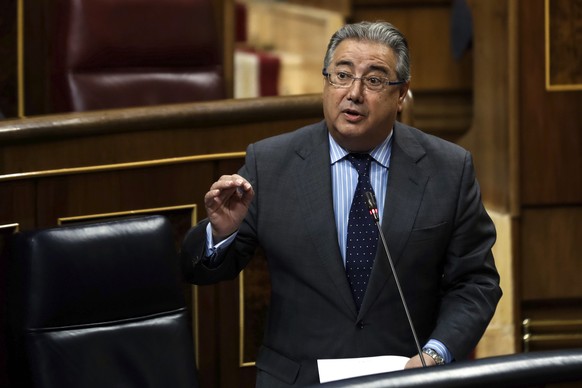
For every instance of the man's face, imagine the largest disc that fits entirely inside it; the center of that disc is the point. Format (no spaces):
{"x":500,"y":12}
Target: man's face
{"x":357,"y":118}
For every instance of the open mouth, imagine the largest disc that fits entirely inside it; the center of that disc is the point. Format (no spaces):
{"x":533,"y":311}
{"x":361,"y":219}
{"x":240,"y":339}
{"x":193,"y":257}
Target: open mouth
{"x":352,"y":114}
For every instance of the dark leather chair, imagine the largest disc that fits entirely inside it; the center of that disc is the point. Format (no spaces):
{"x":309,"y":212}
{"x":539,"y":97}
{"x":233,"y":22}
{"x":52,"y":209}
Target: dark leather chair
{"x":100,"y":305}
{"x":105,"y":54}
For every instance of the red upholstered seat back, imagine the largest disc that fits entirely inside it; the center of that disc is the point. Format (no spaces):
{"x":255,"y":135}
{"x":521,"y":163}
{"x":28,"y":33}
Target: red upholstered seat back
{"x":121,"y":53}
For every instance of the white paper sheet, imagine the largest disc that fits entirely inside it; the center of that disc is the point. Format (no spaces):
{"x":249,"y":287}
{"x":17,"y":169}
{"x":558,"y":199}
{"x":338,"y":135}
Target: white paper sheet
{"x":344,"y":368}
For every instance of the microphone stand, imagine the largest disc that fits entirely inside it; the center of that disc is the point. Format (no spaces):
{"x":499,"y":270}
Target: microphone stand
{"x":371,"y":202}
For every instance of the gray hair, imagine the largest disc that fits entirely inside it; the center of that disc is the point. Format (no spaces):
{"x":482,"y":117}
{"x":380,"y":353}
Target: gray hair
{"x":378,"y":32}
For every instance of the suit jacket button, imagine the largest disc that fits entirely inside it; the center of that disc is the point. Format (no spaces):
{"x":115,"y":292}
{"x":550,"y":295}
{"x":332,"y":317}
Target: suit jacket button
{"x":360,"y":324}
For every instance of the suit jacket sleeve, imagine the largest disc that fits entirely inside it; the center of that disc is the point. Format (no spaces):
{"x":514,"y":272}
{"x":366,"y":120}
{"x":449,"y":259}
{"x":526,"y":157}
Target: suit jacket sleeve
{"x":470,"y":283}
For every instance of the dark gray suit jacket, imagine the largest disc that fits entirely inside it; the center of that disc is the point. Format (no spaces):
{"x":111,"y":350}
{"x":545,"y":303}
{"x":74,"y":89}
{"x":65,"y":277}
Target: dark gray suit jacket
{"x":438,"y":233}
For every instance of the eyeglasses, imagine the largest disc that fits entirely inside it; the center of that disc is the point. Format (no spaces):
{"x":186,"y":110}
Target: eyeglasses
{"x":344,"y":80}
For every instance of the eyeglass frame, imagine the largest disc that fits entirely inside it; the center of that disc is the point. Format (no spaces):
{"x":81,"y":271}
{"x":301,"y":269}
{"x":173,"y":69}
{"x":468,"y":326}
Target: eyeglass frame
{"x":386,"y":81}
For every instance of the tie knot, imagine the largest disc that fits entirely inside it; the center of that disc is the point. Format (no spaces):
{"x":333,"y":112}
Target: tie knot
{"x":361,"y":162}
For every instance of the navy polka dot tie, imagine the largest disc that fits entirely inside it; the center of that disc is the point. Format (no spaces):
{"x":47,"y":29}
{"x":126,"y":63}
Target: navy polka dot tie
{"x":362,"y":236}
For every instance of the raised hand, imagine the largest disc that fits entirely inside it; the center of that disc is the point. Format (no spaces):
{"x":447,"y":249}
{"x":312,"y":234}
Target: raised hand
{"x":227,"y":203}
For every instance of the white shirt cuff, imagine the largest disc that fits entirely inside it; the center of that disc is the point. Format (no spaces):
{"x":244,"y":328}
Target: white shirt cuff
{"x":213,"y":249}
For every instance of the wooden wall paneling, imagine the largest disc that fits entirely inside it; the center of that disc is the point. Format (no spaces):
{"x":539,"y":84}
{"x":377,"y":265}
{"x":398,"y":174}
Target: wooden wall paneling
{"x":527,"y":168}
{"x":208,"y":327}
{"x":446,"y":114}
{"x":225,"y":20}
{"x":551,"y":161}
{"x":550,"y":249}
{"x":561,"y":309}
{"x":138,"y":134}
{"x":490,"y":138}
{"x":80,"y":143}
{"x":492,"y":141}
{"x":426,"y":26}
{"x":552,"y":324}
{"x":33,"y":100}
{"x":342,"y":6}
{"x":228,"y":312}
{"x":18,"y":199}
{"x":129,"y":148}
{"x":254,"y":292}
{"x":110,"y":191}
{"x":551,"y":138}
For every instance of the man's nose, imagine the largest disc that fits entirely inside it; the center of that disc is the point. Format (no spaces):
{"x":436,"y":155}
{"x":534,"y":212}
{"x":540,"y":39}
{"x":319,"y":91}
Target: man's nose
{"x":356,"y":89}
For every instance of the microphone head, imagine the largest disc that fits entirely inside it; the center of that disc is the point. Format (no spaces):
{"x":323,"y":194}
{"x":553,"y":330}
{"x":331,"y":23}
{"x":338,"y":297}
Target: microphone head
{"x":371,"y":200}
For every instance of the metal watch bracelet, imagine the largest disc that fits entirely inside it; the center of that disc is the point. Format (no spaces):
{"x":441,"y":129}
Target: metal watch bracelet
{"x":434,"y":355}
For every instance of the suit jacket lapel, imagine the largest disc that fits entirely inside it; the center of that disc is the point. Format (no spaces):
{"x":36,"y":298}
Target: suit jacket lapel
{"x":406,"y":184}
{"x":314,"y":180}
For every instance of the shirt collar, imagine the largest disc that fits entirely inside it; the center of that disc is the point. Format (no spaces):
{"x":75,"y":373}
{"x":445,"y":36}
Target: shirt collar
{"x":381,"y":154}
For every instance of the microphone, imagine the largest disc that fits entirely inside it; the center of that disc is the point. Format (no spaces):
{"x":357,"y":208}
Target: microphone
{"x":372,"y":206}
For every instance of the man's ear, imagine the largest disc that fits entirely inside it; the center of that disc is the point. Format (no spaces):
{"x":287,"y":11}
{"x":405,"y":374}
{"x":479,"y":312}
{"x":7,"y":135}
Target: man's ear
{"x":403,"y":96}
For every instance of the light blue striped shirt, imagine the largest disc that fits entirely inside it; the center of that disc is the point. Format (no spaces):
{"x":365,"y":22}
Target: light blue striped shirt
{"x":344,"y":178}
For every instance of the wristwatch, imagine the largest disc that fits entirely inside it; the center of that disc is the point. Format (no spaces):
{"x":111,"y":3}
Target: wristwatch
{"x":434,"y":355}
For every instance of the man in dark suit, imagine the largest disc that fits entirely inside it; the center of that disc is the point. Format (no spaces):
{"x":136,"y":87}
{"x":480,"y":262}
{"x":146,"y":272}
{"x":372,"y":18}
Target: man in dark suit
{"x":294,"y":198}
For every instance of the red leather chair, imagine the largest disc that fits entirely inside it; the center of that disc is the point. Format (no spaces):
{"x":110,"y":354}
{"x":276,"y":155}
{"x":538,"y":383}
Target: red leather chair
{"x":105,"y":54}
